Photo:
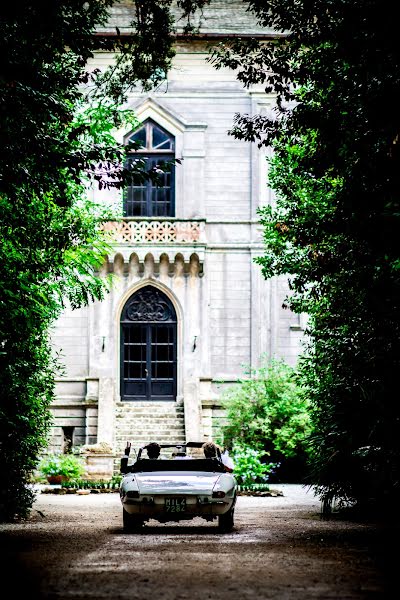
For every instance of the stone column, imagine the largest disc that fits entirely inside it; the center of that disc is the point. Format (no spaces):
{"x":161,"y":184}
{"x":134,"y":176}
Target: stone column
{"x":192,"y":406}
{"x":105,"y":427}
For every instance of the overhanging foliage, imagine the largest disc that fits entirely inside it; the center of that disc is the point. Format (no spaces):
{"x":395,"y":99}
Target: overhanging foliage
{"x":335,"y":171}
{"x":57,"y":116}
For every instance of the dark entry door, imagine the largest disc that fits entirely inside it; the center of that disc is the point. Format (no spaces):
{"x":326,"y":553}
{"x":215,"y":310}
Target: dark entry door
{"x":148,"y":347}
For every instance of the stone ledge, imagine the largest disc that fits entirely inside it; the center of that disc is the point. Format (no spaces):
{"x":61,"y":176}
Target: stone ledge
{"x":263,"y":493}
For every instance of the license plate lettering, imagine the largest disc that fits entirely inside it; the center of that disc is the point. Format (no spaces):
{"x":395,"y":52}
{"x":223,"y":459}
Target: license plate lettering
{"x":175,"y":505}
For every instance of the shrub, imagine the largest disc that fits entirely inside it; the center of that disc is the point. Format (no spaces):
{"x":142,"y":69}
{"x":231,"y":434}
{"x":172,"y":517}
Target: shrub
{"x":108,"y":484}
{"x":269,"y":413}
{"x":69,"y":466}
{"x":249,"y":468}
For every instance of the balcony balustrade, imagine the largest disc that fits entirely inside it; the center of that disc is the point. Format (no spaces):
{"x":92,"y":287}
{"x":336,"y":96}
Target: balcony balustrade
{"x":136,"y":231}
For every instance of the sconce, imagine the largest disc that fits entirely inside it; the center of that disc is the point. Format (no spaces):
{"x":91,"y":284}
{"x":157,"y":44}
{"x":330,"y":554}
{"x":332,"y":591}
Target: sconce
{"x":196,"y":335}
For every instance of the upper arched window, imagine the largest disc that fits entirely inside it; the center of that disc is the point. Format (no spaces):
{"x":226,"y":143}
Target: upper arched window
{"x":147,"y":198}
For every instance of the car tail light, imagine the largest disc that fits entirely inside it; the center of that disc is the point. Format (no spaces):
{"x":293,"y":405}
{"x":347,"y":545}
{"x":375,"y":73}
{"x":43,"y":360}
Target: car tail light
{"x":219,"y":494}
{"x":132,"y":494}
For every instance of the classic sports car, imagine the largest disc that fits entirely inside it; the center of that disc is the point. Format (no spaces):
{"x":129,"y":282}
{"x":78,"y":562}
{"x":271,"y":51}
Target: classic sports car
{"x":169,"y":489}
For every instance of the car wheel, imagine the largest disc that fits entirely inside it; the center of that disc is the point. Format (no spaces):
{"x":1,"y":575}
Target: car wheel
{"x":132,"y":523}
{"x":225,"y":522}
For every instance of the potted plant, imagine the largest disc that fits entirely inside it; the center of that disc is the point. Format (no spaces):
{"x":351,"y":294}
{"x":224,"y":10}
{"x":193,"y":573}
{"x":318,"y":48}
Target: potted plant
{"x":61,"y":467}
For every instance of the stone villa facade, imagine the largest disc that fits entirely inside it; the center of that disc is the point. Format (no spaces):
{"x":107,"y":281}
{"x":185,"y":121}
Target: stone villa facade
{"x":189,"y":307}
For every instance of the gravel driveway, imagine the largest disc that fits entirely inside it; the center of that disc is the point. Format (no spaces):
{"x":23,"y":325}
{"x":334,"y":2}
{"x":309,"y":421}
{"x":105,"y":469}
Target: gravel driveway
{"x":73,"y":547}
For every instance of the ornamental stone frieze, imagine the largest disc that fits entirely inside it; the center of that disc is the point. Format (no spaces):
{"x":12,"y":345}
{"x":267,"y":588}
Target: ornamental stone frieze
{"x":156,"y":247}
{"x":136,"y":231}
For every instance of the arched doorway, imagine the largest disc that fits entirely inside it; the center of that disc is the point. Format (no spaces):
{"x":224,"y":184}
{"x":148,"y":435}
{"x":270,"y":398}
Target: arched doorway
{"x":148,"y":347}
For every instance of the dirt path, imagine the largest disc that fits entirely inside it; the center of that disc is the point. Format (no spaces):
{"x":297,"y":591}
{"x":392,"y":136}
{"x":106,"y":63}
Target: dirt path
{"x":73,"y":547}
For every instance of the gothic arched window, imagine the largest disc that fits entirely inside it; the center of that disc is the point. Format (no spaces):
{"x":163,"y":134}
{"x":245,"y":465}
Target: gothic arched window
{"x":148,"y":347}
{"x":148,"y":198}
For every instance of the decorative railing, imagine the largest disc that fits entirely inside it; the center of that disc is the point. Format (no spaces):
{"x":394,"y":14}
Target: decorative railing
{"x":155,"y":232}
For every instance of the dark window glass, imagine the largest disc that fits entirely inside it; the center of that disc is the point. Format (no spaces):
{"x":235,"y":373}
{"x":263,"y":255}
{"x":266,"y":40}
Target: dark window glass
{"x":139,"y":136}
{"x":148,"y":347}
{"x":152,"y":198}
{"x":161,"y":140}
{"x":163,"y":371}
{"x":68,"y":439}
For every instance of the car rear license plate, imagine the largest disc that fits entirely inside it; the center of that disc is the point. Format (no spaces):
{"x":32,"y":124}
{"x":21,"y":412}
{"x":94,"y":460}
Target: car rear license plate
{"x":175,"y":505}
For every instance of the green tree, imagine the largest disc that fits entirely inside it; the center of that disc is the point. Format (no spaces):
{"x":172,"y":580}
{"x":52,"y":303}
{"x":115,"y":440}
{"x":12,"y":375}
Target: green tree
{"x":267,"y":413}
{"x":57,"y":117}
{"x":335,"y":134}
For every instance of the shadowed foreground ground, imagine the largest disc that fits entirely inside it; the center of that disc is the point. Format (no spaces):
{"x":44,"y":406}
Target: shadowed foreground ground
{"x":73,"y":547}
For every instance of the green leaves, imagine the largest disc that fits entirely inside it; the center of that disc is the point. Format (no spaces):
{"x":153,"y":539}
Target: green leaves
{"x":333,"y":229}
{"x":69,"y":466}
{"x":249,"y":468}
{"x":267,"y":413}
{"x":58,"y":117}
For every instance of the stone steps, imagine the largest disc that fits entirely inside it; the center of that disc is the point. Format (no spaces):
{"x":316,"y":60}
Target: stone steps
{"x":145,"y":422}
{"x":152,"y":429}
{"x":154,"y":407}
{"x":136,"y":444}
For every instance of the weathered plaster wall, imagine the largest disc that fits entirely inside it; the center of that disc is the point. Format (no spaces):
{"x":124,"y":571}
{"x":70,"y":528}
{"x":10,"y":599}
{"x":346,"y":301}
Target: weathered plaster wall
{"x":228,"y":316}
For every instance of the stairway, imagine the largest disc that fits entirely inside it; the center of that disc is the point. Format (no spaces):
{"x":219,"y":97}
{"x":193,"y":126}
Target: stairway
{"x":144,"y":422}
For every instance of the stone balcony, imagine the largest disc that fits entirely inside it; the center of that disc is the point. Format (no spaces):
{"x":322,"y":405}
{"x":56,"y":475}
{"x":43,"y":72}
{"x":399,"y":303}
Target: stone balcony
{"x":156,"y":231}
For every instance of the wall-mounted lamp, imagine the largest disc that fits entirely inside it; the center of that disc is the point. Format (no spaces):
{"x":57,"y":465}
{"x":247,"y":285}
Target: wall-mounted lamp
{"x":194,"y":343}
{"x":103,"y":343}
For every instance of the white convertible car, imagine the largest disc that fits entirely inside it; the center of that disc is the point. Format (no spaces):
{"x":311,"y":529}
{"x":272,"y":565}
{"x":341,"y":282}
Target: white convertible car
{"x":169,"y":489}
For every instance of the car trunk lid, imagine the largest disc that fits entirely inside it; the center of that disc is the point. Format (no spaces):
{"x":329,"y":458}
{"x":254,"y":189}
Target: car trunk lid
{"x":176,"y":483}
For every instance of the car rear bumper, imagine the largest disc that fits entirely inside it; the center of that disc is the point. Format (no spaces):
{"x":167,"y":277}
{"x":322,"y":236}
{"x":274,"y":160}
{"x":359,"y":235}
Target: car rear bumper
{"x":155,"y":508}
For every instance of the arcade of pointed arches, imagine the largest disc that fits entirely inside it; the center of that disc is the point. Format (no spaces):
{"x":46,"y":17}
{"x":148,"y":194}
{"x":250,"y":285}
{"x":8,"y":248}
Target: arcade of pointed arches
{"x":155,"y":265}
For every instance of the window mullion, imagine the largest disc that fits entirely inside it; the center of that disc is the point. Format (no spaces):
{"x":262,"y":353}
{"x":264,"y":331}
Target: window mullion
{"x":148,"y":362}
{"x":149,"y":206}
{"x":149,"y":136}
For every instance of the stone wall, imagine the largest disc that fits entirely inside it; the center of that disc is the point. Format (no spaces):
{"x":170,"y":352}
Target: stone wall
{"x":202,"y":259}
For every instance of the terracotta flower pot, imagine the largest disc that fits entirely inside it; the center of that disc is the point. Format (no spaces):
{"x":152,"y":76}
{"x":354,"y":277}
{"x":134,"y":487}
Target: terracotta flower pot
{"x":56,"y":479}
